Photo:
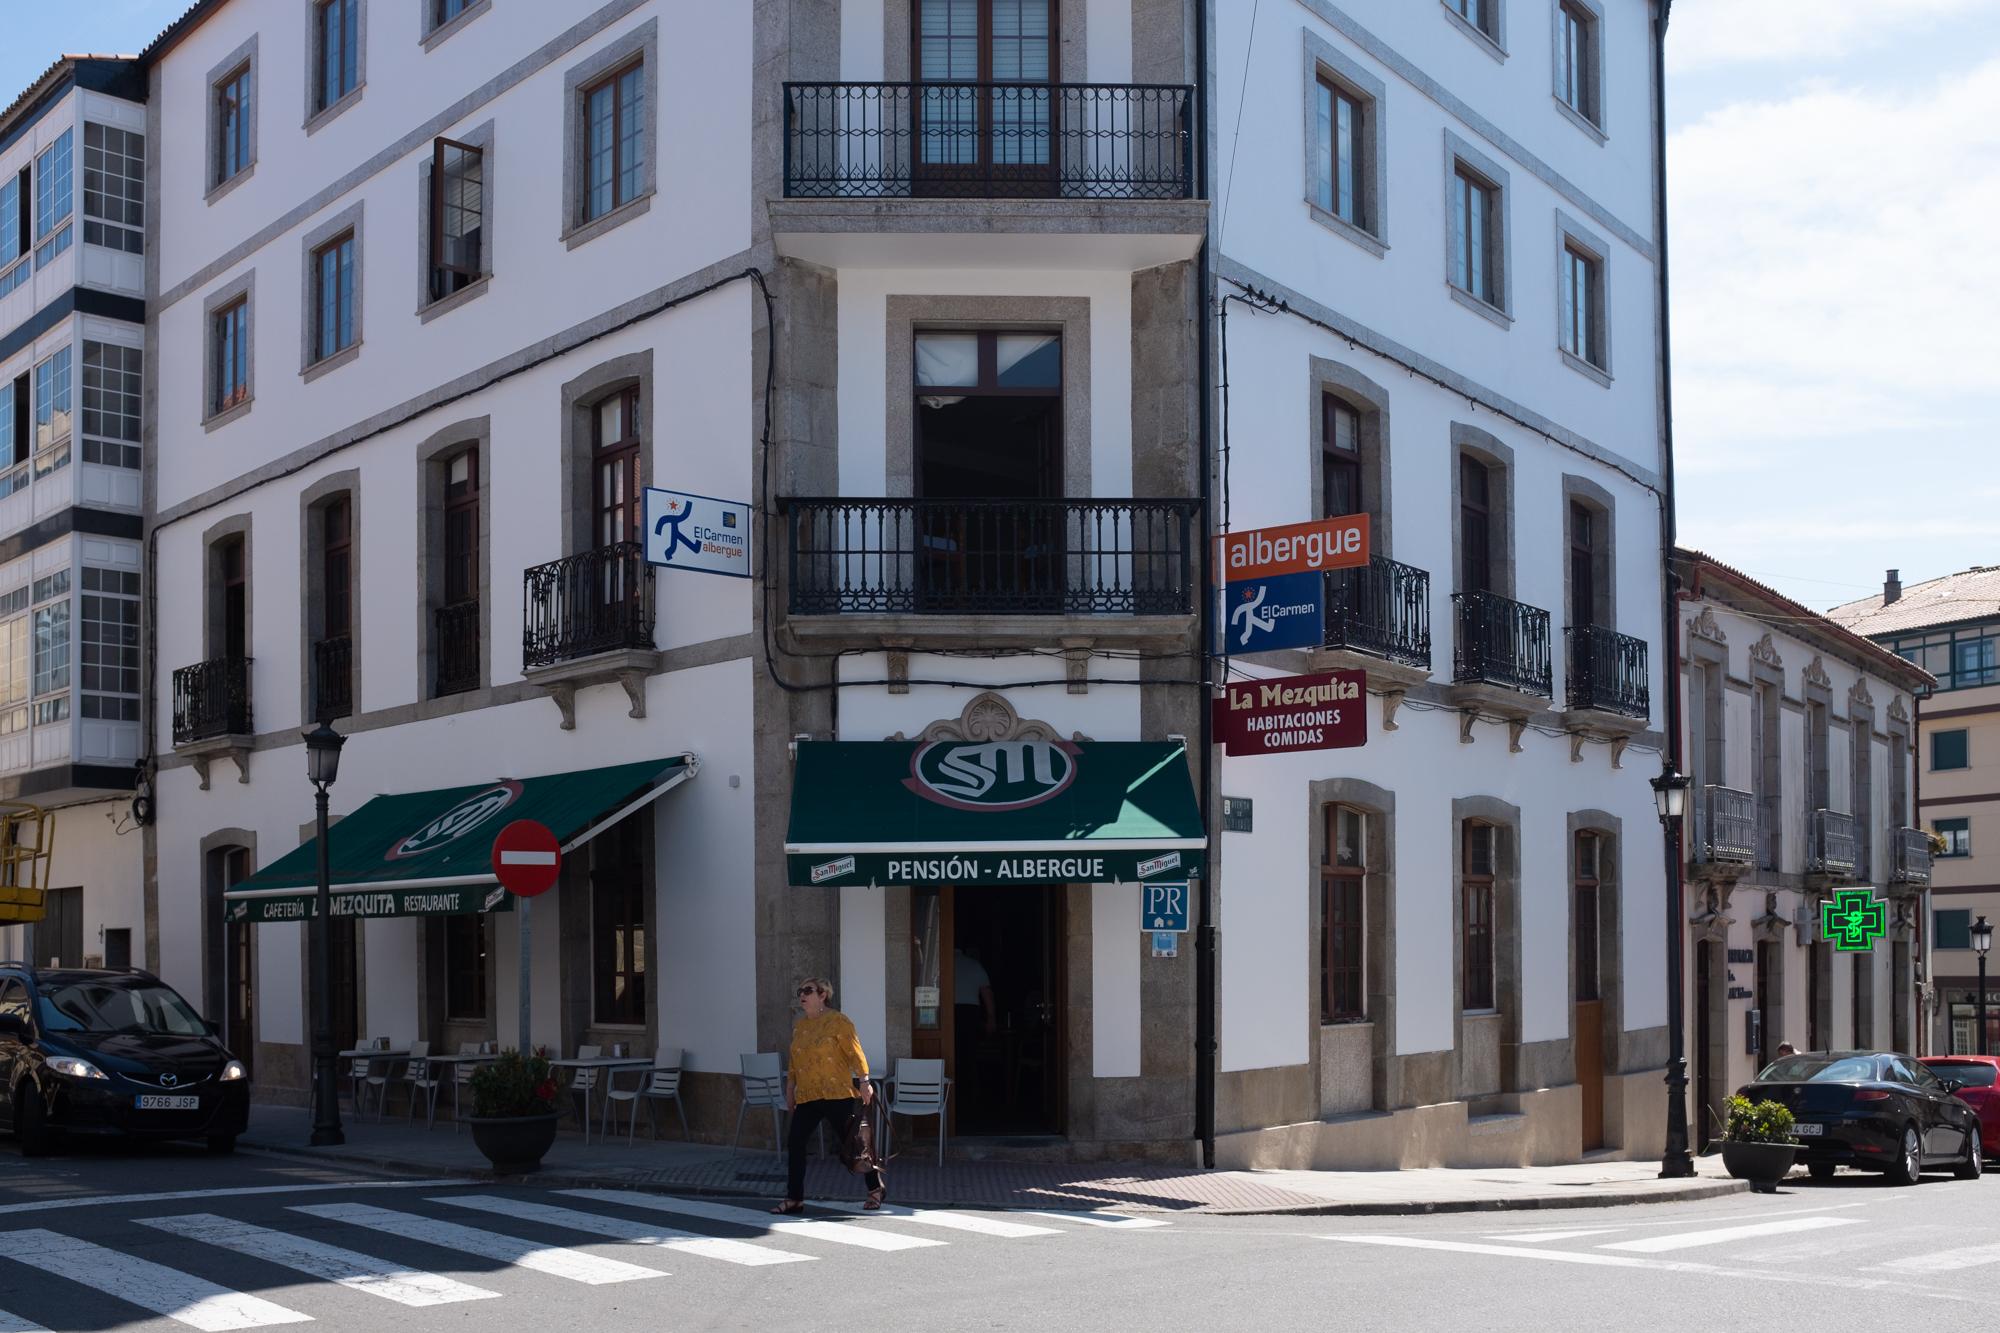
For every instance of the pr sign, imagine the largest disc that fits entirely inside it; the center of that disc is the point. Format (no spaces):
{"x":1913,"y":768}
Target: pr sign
{"x":1324,"y":711}
{"x":1295,"y":548}
{"x":697,"y":532}
{"x":1261,"y":615}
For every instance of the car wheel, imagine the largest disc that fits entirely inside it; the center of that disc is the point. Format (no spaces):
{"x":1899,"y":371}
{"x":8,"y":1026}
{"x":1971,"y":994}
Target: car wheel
{"x":31,"y":1122}
{"x":1820,"y":1170}
{"x":1909,"y":1164}
{"x":1974,"y":1164}
{"x":222,"y":1143}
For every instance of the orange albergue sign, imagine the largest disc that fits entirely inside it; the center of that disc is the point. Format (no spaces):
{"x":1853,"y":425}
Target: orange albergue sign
{"x":1295,"y":548}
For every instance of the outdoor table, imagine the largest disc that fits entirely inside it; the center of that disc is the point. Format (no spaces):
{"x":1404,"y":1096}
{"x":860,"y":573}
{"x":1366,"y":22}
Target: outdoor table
{"x":609,"y":1063}
{"x":461,"y":1058}
{"x":392,"y":1058}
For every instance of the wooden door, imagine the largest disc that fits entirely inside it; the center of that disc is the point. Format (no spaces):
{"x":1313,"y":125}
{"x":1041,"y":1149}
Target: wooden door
{"x":992,"y":128}
{"x":1703,"y":1075}
{"x":1589,"y":1020}
{"x":1590,"y":1069}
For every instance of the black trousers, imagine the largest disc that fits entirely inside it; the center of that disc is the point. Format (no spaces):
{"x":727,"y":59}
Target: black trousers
{"x":834,"y":1113}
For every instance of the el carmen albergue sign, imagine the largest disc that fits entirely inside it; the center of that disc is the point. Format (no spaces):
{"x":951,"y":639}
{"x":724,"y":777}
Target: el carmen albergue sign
{"x":1295,"y":548}
{"x":1324,"y":711}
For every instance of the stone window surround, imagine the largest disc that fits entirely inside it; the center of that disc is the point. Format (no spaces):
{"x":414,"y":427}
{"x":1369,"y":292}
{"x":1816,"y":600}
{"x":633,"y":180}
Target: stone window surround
{"x":1861,"y":786}
{"x":1582,"y":490}
{"x":1370,"y":402}
{"x":432,"y":32}
{"x":347,"y":219}
{"x":1499,"y":459}
{"x":1812,"y":692}
{"x":643,"y":44}
{"x":1070,"y":52}
{"x":1711,"y":659}
{"x":480,"y":137}
{"x":1573,"y":235}
{"x":1378,"y":911}
{"x":213,"y":637}
{"x":1593,"y":15}
{"x":244,"y":285}
{"x":1494,"y":42}
{"x":1323,"y":62}
{"x":907,"y":315}
{"x":436,"y":449}
{"x":214,"y":920}
{"x":1898,"y":811}
{"x":1770,"y":785}
{"x":1610,"y":830}
{"x":580,"y":397}
{"x":1506,"y":821}
{"x":345,"y":485}
{"x":318,"y":116}
{"x":1459,"y":153}
{"x":243,"y":57}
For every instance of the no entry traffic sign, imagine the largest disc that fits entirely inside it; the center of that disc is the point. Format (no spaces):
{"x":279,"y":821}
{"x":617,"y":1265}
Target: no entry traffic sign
{"x":527,"y":858}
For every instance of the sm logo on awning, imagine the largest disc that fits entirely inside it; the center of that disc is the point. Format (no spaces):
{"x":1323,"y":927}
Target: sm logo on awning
{"x":991,"y":775}
{"x":456,"y":822}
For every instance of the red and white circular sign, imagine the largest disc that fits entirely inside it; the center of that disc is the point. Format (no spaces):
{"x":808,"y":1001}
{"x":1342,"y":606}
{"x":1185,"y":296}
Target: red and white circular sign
{"x":527,"y":858}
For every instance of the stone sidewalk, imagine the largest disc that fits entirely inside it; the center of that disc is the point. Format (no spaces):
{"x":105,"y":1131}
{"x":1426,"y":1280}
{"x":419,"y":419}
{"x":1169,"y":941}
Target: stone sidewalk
{"x":916,"y":1178}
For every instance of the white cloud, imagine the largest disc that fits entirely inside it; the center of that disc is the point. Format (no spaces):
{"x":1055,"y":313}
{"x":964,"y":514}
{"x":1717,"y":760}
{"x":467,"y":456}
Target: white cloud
{"x":1707,"y":33}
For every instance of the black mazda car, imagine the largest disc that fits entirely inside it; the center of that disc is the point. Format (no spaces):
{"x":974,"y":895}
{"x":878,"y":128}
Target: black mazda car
{"x":93,"y":1052}
{"x":1873,"y":1110}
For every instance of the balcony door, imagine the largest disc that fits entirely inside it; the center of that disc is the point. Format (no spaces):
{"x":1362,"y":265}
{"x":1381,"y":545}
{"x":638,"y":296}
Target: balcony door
{"x":1341,"y":493}
{"x":617,"y":499}
{"x":991,"y":126}
{"x":235,"y":601}
{"x":1475,"y":525}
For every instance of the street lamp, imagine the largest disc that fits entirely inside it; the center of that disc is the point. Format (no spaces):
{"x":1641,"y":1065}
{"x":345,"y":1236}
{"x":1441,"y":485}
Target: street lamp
{"x":322,"y":767}
{"x":1982,"y":940}
{"x":1670,"y":791}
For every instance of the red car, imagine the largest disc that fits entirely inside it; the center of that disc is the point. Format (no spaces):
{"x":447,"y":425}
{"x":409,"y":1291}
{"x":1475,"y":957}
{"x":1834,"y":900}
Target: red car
{"x":1975,"y":1077}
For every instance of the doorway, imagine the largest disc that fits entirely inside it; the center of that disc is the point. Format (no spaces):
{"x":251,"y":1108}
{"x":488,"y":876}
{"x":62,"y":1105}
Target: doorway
{"x":1704,"y":1072}
{"x":985,"y":108}
{"x":989,"y":977}
{"x":1586,"y":923}
{"x":59,"y":935}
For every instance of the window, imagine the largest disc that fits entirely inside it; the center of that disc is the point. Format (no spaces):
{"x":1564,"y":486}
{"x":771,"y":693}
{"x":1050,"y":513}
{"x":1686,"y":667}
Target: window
{"x":1861,"y":786}
{"x":235,"y":150}
{"x":1476,"y":943}
{"x":14,"y":662}
{"x":618,"y":922}
{"x":14,"y":435}
{"x":1483,"y":16}
{"x":1337,"y":167}
{"x":15,"y":266}
{"x":229,"y":343}
{"x":1819,"y":774}
{"x":1959,"y":658}
{"x":1578,"y":333}
{"x":465,"y":965}
{"x":51,"y":631}
{"x":55,"y":191}
{"x":1577,"y":64}
{"x":111,"y":381}
{"x":337,"y":42}
{"x":337,"y":533}
{"x":1949,"y":749}
{"x":1342,"y":868}
{"x":1589,"y":849}
{"x":1582,"y":565}
{"x":1475,"y":236}
{"x":52,"y":413}
{"x":461,"y":528}
{"x":444,"y":11}
{"x":1475,"y":525}
{"x":108,"y":659}
{"x":1340,"y":457}
{"x":1957,"y":835}
{"x":457,"y":217}
{"x":615,"y":449}
{"x":614,"y":120}
{"x":451,"y":534}
{"x":114,"y":188}
{"x":1952,"y":928}
{"x":333,"y":297}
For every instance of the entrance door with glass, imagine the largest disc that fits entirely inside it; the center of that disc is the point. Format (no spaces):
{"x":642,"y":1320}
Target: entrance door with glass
{"x":984,"y":102}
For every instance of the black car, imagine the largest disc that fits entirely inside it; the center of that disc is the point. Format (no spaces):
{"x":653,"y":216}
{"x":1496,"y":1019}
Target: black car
{"x":1873,"y":1110}
{"x":94,"y":1052}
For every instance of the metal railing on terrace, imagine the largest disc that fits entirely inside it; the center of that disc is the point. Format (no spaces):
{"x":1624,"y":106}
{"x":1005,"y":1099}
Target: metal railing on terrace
{"x":1382,"y":609}
{"x":333,"y":678}
{"x":1607,"y":672}
{"x":1501,"y":642}
{"x":1913,"y":857}
{"x":455,"y":644}
{"x":582,"y":605}
{"x":1831,"y":845}
{"x":212,"y":699}
{"x":1725,"y":827}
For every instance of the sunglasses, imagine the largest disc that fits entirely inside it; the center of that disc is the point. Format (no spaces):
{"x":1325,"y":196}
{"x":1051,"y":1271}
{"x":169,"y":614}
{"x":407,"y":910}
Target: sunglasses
{"x":808,"y":990}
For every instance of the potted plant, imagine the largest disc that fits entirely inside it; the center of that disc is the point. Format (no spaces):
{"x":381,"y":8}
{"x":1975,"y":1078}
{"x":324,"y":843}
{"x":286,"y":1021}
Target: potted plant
{"x":514,"y":1111}
{"x":1757,"y":1143}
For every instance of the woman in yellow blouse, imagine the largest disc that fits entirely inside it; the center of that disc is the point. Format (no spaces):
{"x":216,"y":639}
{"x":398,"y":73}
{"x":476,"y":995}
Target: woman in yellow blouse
{"x":826,"y":1060}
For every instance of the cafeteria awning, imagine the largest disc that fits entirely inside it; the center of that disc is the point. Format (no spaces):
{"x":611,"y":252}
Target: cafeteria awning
{"x":430,"y":853}
{"x":992,"y":812}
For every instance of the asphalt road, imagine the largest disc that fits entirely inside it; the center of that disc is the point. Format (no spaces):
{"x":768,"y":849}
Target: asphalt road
{"x":169,"y":1239}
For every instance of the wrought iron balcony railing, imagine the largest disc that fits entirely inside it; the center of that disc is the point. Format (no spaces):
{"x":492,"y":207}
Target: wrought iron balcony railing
{"x":1501,"y":642}
{"x":1607,"y":672}
{"x":212,"y":699}
{"x":989,"y":140}
{"x":1913,"y":857}
{"x":991,"y":557}
{"x":1382,"y":609}
{"x":333,"y":678}
{"x":582,"y":605}
{"x":455,"y":645}
{"x":1831,"y":846}
{"x":1725,"y":827}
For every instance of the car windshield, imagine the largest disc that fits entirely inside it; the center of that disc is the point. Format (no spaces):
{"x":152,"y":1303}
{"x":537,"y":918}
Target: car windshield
{"x":1820,"y":1069}
{"x":1967,"y":1075}
{"x":111,"y":1006}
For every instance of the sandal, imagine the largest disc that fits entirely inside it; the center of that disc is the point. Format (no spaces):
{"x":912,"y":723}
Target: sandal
{"x":790,"y":1206}
{"x":875,"y":1197}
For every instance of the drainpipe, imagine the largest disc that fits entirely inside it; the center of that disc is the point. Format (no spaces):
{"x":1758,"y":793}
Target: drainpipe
{"x":1205,"y":1044}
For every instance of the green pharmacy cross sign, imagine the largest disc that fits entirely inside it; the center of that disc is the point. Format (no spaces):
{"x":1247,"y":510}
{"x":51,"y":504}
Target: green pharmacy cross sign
{"x":1854,"y":920}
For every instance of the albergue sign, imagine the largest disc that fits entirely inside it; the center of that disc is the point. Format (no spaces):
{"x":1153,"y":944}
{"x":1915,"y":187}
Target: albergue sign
{"x":1295,"y":548}
{"x":1324,"y":711}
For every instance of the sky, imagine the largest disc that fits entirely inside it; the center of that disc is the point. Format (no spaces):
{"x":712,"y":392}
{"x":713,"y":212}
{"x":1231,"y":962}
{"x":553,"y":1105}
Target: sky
{"x":1834,"y":180}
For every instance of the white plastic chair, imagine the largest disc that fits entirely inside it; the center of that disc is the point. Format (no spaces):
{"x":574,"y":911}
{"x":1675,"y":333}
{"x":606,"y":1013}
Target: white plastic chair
{"x":659,"y":1084}
{"x":461,"y":1079}
{"x":763,"y":1087}
{"x":582,"y":1084}
{"x":357,"y":1075}
{"x":920,"y":1088}
{"x":418,"y":1078}
{"x":371,"y":1074}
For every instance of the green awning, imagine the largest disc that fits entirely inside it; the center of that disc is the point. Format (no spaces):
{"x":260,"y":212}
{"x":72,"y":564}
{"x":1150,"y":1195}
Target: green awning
{"x":431,"y":852}
{"x":992,"y":812}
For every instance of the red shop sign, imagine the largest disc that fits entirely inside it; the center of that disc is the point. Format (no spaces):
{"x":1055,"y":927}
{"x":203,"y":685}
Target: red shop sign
{"x":1324,"y":711}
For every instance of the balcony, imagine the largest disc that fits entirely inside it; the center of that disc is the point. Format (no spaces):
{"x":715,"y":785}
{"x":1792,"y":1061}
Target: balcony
{"x":587,"y":619}
{"x":1607,"y":672}
{"x":981,"y":570}
{"x":1501,"y":643}
{"x":1912,"y":862}
{"x":1831,"y":845}
{"x":455,"y":645}
{"x":1382,"y":611}
{"x":333,"y":678}
{"x":1725,"y":828}
{"x":212,"y":714}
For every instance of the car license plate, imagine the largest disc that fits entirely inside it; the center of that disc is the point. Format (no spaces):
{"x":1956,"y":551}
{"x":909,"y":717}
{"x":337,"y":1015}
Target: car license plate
{"x":153,"y":1101}
{"x":1807,"y":1131}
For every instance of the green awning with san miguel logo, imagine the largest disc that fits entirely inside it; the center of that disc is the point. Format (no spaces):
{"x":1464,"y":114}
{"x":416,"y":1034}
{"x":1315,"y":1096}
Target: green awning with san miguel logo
{"x":992,"y":812}
{"x":431,"y":852}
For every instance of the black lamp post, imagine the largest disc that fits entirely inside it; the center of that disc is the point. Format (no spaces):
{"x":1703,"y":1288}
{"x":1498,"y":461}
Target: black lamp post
{"x":1670,"y":793}
{"x":1982,"y":940}
{"x":322,"y":767}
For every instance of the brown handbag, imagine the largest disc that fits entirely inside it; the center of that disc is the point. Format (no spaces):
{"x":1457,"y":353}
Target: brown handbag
{"x":860,"y":1140}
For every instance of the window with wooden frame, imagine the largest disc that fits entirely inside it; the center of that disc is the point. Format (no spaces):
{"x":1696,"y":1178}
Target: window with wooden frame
{"x":461,"y":528}
{"x":1340,"y":457}
{"x":444,"y":11}
{"x":333,"y":297}
{"x":337,"y":35}
{"x":1475,"y":525}
{"x":1338,"y":170}
{"x":1576,"y":60}
{"x":614,"y":123}
{"x":615,"y":445}
{"x":1006,"y":49}
{"x":457,"y":217}
{"x":1476,"y":921}
{"x":1587,"y":919}
{"x":229,"y":345}
{"x":1481,"y":14}
{"x":618,"y":923}
{"x":465,"y":965}
{"x":233,"y":148}
{"x":1474,"y":236}
{"x":1342,"y":880}
{"x":337,"y":566}
{"x":1580,"y":306}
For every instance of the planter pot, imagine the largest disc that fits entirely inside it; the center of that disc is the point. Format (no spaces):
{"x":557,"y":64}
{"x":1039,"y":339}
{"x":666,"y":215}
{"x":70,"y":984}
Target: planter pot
{"x":514,"y":1143}
{"x":1762,"y":1164}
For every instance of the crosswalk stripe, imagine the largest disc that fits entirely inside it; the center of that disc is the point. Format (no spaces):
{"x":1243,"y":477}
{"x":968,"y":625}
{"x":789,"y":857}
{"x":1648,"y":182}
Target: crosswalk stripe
{"x":1118,"y":1221}
{"x":949,"y":1219}
{"x":572,"y":1264}
{"x":349,"y":1268}
{"x":618,"y":1228}
{"x":179,"y":1296}
{"x":1592,"y":1259}
{"x":13,"y":1323}
{"x":840,"y":1233}
{"x":1945,"y":1261}
{"x":1689,"y":1240}
{"x":1536,"y":1237}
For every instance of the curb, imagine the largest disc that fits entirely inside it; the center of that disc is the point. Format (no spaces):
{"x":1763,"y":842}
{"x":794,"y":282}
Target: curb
{"x":1397,"y":1208}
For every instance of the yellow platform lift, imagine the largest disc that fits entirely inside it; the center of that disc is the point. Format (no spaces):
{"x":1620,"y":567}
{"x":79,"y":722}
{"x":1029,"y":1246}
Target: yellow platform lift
{"x":27,"y":837}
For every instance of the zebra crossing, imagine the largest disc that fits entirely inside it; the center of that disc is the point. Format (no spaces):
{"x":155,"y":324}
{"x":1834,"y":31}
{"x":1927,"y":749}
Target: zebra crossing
{"x":435,"y":1247}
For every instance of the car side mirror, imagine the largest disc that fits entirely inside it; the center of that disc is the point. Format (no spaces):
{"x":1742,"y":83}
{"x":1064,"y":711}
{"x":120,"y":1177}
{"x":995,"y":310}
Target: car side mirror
{"x":1951,"y":1084}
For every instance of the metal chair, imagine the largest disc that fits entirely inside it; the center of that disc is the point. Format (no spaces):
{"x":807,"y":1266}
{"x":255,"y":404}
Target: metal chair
{"x":418,"y":1078}
{"x":461,"y":1079}
{"x":763,"y":1087}
{"x":920,"y":1088}
{"x":661,"y":1083}
{"x":371,"y":1074}
{"x":582,"y":1085}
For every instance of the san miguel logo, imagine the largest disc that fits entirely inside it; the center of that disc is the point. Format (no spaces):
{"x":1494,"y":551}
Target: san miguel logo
{"x":456,"y":822}
{"x":991,"y":775}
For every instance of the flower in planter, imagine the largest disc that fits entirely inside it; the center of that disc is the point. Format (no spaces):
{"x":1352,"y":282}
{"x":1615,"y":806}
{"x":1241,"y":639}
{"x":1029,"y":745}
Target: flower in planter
{"x":1760,"y":1122}
{"x":513,"y":1085}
